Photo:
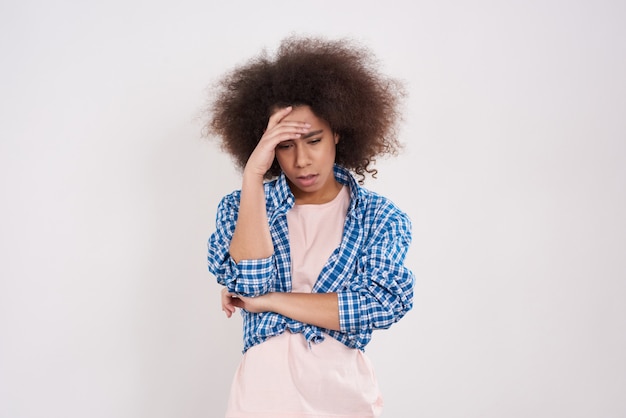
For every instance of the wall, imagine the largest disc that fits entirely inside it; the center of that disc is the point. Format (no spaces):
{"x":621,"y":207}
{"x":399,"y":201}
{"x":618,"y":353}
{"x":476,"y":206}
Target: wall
{"x":514,"y":174}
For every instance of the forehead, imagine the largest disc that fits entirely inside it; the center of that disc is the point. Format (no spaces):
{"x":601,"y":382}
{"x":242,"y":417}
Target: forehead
{"x":305,"y":114}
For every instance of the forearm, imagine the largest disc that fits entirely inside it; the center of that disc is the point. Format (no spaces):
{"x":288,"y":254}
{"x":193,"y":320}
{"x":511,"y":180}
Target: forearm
{"x":252,"y":238}
{"x":319,"y":309}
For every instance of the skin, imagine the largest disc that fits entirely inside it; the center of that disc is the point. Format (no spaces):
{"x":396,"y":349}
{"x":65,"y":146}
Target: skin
{"x":308,"y":161}
{"x":304,"y":146}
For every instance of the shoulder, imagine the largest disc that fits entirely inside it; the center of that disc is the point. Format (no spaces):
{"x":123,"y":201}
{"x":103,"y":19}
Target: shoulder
{"x":371,"y":207}
{"x":381,"y":213}
{"x":230,"y":200}
{"x":375,"y":203}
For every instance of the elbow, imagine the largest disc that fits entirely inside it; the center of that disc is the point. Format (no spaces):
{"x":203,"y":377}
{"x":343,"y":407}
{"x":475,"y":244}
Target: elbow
{"x":248,"y":278}
{"x":251,"y":278}
{"x":384,"y":314}
{"x":362,"y":312}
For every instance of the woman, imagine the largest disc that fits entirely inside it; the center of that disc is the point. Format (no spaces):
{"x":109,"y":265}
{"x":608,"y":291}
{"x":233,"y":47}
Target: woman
{"x":314,"y":261}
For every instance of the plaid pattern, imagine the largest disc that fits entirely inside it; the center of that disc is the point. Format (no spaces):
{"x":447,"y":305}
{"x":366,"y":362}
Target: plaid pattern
{"x":367,"y":270}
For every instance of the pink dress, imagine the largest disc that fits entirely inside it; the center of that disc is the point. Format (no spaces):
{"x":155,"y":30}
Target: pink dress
{"x":285,"y":378}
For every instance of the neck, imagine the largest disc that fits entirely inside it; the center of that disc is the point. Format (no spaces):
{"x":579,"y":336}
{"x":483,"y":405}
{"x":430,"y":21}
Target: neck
{"x":316,"y":198}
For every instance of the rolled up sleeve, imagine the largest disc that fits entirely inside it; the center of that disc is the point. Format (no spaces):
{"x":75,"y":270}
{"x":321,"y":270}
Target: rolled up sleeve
{"x":248,"y":277}
{"x":382,"y":292}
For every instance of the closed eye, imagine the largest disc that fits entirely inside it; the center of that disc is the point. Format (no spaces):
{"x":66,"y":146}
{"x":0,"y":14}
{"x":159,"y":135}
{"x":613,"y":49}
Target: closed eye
{"x":314,"y":141}
{"x":284,"y":145}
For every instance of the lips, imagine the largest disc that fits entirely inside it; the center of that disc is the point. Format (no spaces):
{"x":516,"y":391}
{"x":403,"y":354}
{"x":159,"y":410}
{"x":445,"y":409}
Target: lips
{"x":306,"y":181}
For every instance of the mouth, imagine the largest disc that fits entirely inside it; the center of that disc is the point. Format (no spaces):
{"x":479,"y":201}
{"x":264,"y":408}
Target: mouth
{"x":307,"y":180}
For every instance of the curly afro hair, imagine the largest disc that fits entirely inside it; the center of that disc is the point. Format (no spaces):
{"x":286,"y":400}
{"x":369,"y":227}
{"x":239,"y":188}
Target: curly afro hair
{"x":337,"y":79}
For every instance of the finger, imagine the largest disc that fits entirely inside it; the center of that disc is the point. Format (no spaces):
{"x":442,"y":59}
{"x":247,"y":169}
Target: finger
{"x":278,"y":116}
{"x":228,"y":310}
{"x":285,"y":132}
{"x":289,"y":124}
{"x":227,"y":306}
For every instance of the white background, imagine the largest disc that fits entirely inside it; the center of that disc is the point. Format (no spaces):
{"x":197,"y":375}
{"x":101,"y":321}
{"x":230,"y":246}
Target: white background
{"x":514,"y":174}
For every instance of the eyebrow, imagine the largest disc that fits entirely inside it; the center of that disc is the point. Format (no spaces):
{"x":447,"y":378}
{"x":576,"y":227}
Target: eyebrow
{"x":310,"y":134}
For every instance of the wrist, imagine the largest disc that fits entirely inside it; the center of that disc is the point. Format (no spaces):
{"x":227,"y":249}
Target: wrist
{"x":252,"y":176}
{"x":269,"y":302}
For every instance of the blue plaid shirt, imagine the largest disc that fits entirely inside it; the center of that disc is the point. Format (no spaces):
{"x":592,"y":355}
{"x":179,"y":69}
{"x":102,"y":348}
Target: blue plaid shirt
{"x":367,"y":270}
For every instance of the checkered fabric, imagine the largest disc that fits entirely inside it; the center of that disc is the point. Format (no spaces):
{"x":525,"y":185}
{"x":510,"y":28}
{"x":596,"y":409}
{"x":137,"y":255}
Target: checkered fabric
{"x":366,"y":271}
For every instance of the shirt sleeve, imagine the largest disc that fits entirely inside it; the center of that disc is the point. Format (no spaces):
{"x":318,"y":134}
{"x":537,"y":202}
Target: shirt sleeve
{"x":248,"y":277}
{"x":382,"y":292}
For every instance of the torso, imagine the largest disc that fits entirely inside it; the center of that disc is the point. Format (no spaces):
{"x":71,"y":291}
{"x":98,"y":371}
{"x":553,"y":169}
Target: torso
{"x":285,"y":377}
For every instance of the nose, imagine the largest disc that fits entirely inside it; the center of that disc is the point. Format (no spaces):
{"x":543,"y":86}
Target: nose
{"x":302,"y":157}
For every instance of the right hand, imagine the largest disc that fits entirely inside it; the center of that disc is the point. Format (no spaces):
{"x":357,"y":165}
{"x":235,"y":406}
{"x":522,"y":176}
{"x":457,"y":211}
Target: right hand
{"x":277,"y":131}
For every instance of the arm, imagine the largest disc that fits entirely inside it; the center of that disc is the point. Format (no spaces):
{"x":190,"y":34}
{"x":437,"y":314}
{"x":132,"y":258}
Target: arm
{"x":248,"y":277}
{"x":252,"y":238}
{"x":241,"y":248}
{"x":319,"y":309}
{"x":381,"y":293}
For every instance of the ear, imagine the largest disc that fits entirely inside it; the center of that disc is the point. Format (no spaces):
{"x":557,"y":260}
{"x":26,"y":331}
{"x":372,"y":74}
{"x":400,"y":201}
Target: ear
{"x":336,"y":136}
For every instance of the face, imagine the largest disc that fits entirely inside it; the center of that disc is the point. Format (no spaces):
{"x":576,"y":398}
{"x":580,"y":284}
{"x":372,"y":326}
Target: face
{"x":308,"y":161}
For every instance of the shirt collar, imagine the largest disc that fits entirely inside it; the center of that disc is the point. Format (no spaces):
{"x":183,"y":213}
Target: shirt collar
{"x":281,"y":193}
{"x":343,"y":176}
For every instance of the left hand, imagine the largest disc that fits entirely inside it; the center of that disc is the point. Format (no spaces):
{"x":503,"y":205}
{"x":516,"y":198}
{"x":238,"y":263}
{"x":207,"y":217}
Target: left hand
{"x":230,"y":301}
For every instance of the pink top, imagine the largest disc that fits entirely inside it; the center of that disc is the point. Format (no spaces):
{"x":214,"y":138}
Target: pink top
{"x":285,"y":378}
